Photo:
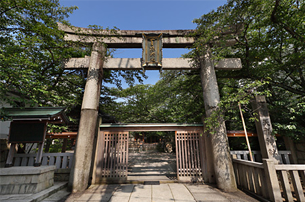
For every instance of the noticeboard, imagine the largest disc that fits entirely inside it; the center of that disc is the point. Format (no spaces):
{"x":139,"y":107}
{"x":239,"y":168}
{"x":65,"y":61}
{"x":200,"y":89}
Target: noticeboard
{"x":22,"y":132}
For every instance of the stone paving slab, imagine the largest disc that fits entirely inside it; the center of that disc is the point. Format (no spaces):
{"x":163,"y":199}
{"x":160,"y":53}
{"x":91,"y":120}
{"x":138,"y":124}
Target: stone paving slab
{"x":123,"y":191}
{"x":200,"y":188}
{"x":181,"y":193}
{"x":102,"y":188}
{"x":161,"y":193}
{"x":141,"y":193}
{"x":119,"y":199}
{"x":172,"y":192}
{"x":209,"y":197}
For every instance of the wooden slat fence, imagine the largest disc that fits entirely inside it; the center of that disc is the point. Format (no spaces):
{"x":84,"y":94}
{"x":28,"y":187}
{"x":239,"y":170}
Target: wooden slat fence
{"x":250,"y":176}
{"x":292,"y":181}
{"x":270,"y":181}
{"x":188,"y":155}
{"x":60,"y":160}
{"x":112,"y":157}
{"x":257,"y":157}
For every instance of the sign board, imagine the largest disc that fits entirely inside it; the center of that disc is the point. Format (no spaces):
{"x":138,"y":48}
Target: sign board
{"x":24,"y":132}
{"x":152,"y":50}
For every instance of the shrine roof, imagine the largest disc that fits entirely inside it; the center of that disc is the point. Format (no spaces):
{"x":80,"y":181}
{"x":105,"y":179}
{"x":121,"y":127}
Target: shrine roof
{"x":52,"y":114}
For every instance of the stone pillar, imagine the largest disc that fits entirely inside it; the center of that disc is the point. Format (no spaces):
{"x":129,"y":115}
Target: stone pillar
{"x":79,"y":176}
{"x":264,"y":129}
{"x":224,"y":173}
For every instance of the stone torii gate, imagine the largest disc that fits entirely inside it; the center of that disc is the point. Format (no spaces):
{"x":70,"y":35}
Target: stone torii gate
{"x":221,"y":160}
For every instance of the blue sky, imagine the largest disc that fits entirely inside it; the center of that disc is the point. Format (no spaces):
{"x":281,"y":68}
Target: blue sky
{"x":141,"y":15}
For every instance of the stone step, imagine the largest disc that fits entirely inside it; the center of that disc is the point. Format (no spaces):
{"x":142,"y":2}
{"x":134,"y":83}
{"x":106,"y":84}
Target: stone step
{"x":40,"y":196}
{"x":48,"y":192}
{"x":59,"y":196}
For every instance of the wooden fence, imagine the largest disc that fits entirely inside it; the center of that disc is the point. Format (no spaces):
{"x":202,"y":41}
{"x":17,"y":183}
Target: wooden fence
{"x":188,"y":147}
{"x":250,"y":176}
{"x":111,"y":162}
{"x":257,"y":157}
{"x":269,"y":181}
{"x":60,"y":160}
{"x":292,"y":181}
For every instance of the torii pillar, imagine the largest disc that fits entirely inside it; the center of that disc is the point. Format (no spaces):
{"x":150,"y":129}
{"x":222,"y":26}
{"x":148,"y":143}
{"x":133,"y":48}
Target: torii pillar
{"x":224,"y":172}
{"x":79,"y":176}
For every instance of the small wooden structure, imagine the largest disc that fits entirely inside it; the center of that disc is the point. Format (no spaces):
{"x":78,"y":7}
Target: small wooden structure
{"x":111,"y":158}
{"x":29,"y":125}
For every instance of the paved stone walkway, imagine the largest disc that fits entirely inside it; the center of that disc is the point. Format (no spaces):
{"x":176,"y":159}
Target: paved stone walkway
{"x":156,"y":193}
{"x":152,"y":166}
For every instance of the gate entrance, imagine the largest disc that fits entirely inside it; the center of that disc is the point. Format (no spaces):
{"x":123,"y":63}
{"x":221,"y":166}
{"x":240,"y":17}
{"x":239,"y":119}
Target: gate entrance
{"x":151,"y":59}
{"x":111,"y":158}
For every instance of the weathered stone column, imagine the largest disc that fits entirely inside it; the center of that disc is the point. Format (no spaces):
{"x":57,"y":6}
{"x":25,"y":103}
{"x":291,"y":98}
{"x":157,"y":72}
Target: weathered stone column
{"x":80,"y":171}
{"x":264,"y":129}
{"x":223,"y":166}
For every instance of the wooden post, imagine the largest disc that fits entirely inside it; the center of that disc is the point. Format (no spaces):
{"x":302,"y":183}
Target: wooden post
{"x":40,"y":148}
{"x":79,"y":176}
{"x":209,"y":174}
{"x":48,"y":144}
{"x":264,"y":129}
{"x":39,"y":155}
{"x":291,"y":147}
{"x":64,"y":145}
{"x":10,"y":156}
{"x":272,"y":180}
{"x":246,"y":134}
{"x":223,"y":166}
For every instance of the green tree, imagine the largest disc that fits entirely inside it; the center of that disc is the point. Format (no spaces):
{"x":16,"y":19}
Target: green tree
{"x":175,"y":98}
{"x":32,"y":54}
{"x":271,"y":46}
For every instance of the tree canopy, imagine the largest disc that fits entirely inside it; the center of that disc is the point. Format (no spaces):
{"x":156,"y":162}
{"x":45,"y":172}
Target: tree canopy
{"x":272,"y":48}
{"x":33,"y":52}
{"x":175,"y":98}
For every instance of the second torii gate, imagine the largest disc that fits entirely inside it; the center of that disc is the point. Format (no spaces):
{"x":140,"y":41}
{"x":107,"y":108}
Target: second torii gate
{"x":79,"y":178}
